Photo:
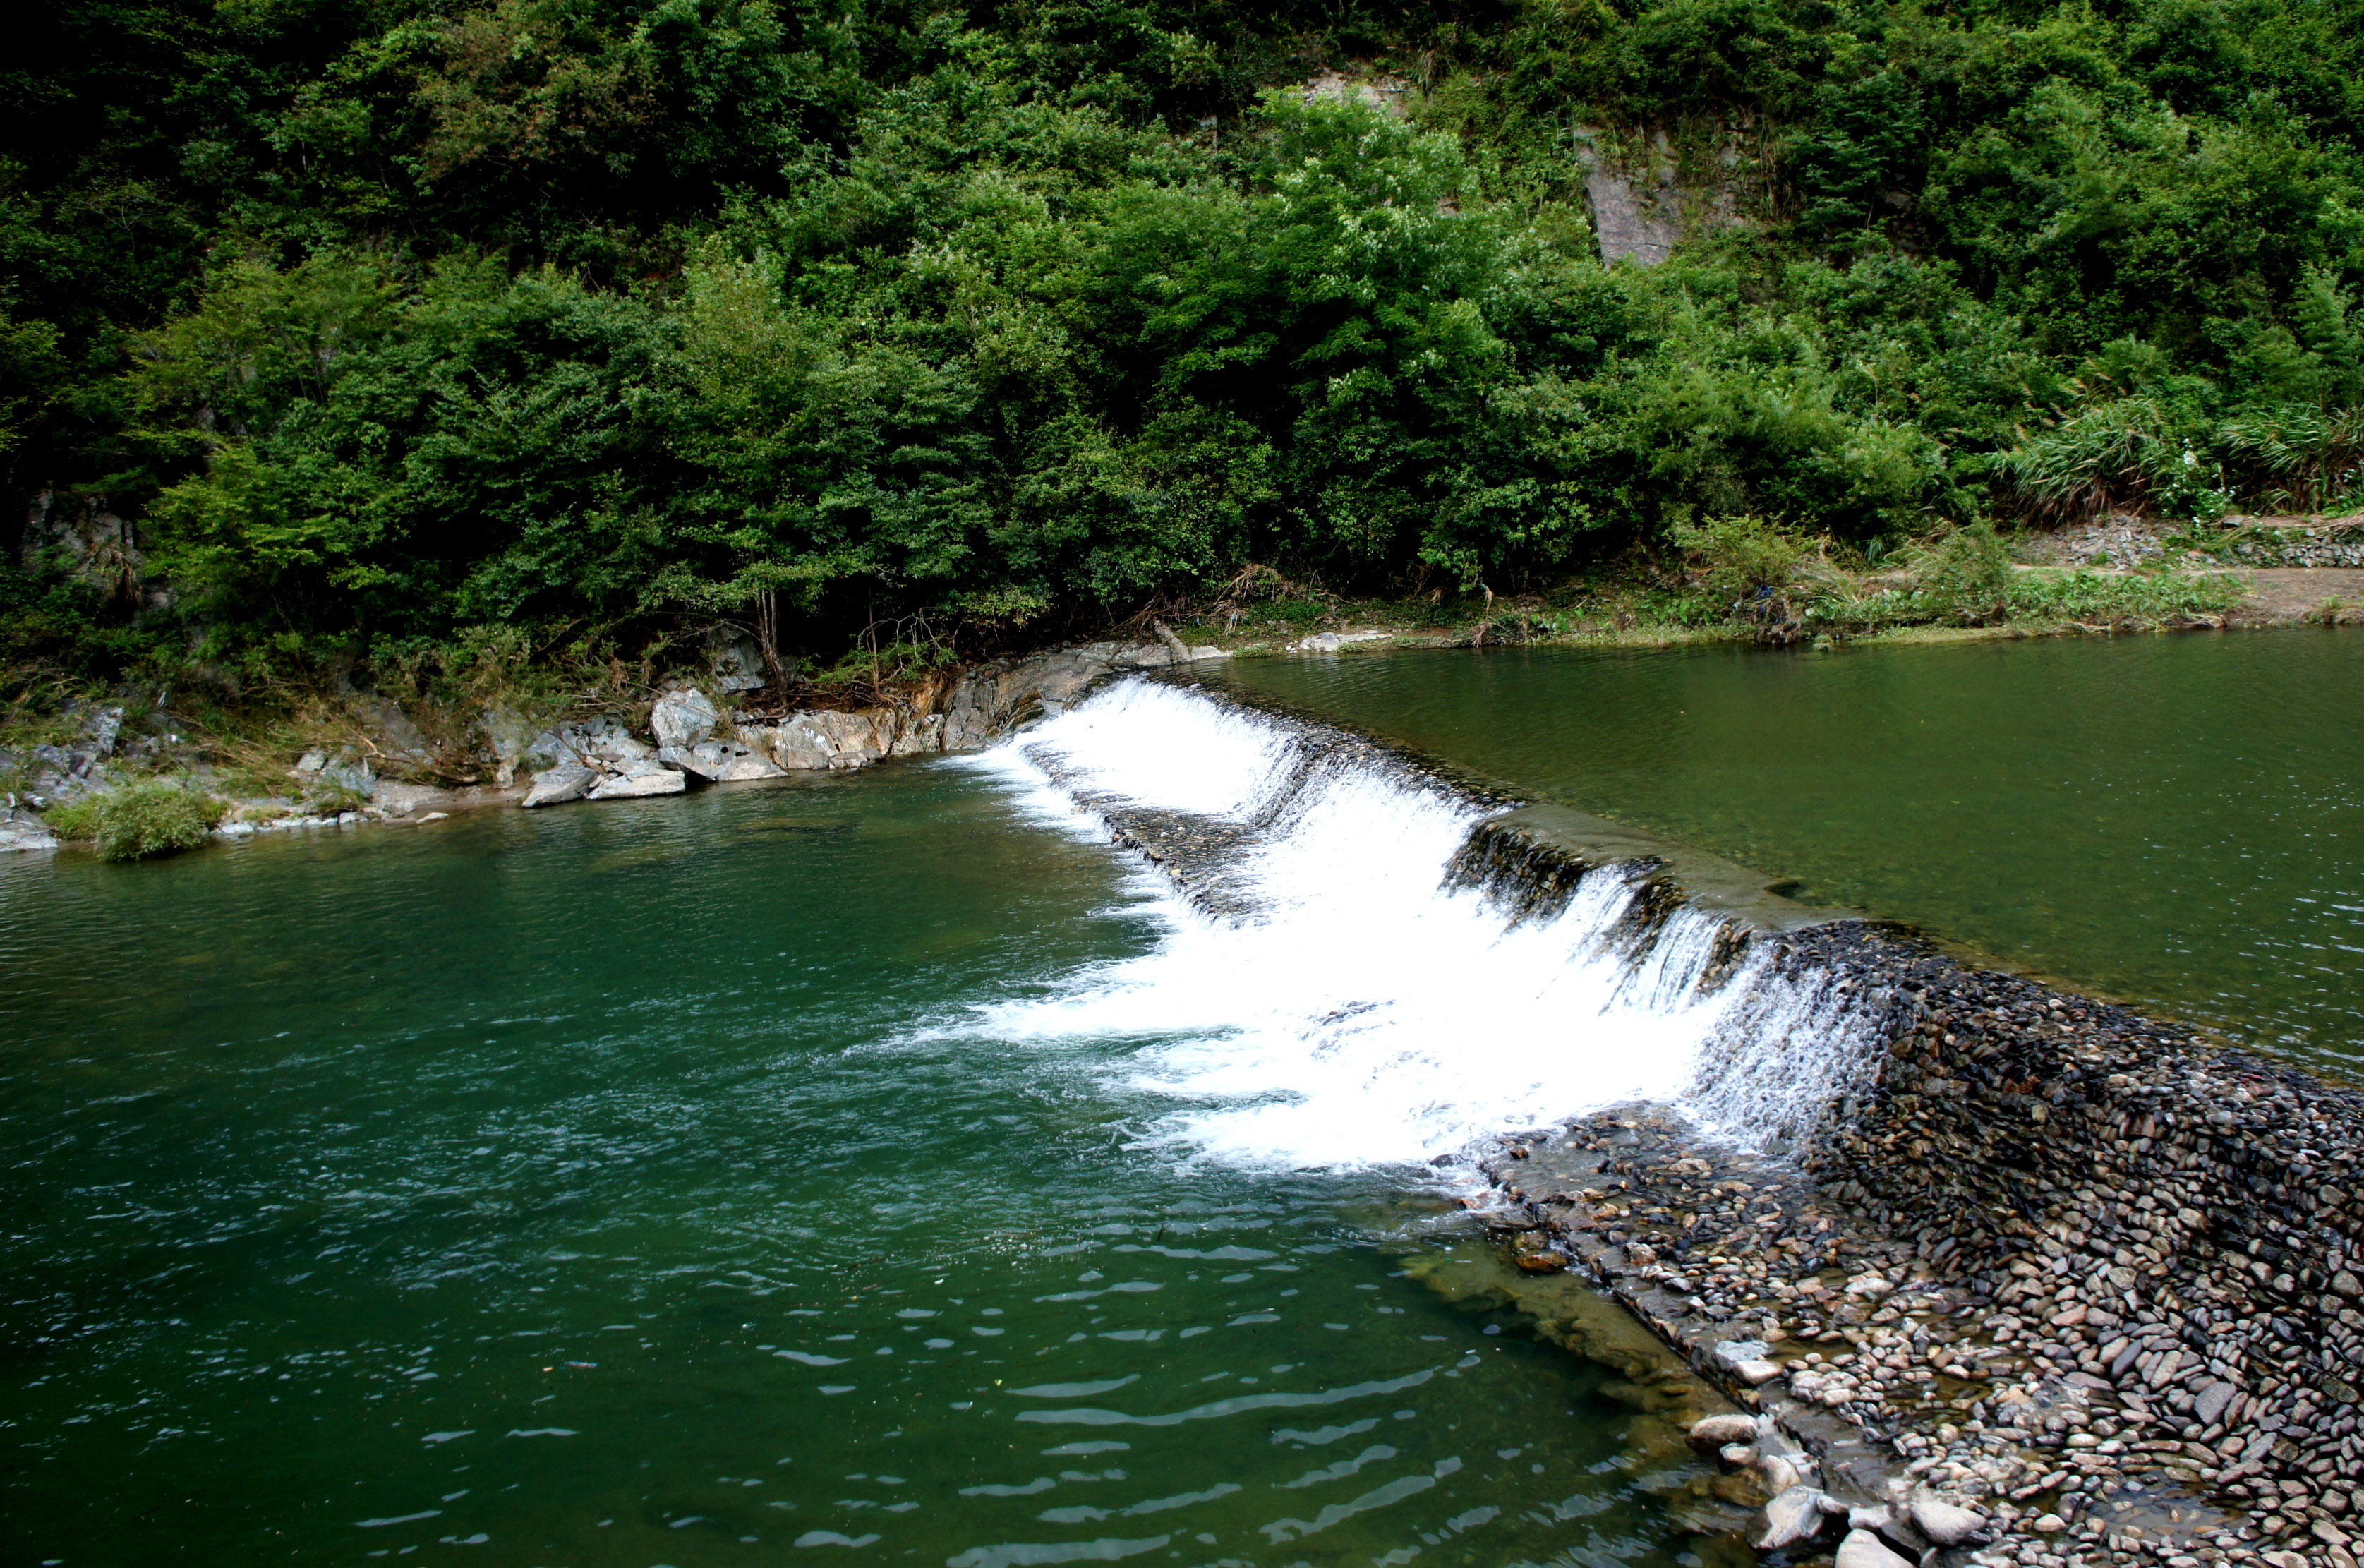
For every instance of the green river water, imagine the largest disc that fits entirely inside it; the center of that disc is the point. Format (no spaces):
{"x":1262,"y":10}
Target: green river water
{"x":617,"y":1186}
{"x":2177,"y":821}
{"x":636,"y":1185}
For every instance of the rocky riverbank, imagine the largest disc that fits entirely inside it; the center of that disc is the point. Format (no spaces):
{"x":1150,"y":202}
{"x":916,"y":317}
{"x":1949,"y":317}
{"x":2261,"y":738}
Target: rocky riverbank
{"x":2047,"y":1261}
{"x":704,"y":725}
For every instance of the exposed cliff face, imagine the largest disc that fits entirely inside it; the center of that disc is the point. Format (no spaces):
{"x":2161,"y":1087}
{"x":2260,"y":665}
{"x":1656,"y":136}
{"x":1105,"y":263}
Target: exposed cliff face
{"x":1645,"y":202}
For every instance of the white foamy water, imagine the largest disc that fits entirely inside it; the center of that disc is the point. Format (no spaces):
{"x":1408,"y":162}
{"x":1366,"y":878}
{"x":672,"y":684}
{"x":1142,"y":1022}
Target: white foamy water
{"x":1354,"y":1010}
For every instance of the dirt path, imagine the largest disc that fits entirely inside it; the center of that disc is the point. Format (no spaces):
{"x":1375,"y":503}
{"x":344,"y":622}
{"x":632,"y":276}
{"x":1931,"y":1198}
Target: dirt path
{"x":2281,"y":594}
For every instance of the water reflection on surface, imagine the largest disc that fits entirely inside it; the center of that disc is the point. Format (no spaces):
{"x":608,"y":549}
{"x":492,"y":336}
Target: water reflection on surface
{"x":602,"y":1186}
{"x":2177,"y":820}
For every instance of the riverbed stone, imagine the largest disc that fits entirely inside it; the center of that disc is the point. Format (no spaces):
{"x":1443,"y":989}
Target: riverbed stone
{"x":1944,"y":1523}
{"x":1861,"y":1549}
{"x":1795,"y":1518}
{"x":1716,"y":1431}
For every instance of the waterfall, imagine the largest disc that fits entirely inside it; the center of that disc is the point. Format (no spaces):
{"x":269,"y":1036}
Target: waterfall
{"x":1361,"y":962}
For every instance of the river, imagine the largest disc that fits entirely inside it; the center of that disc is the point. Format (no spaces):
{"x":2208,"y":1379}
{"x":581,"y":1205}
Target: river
{"x":770,"y":1174}
{"x":2175,"y":821}
{"x":886,"y":1167}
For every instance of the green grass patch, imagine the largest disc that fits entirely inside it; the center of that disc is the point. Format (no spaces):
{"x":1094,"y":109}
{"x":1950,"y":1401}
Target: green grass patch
{"x":2111,"y":599}
{"x":76,"y":819}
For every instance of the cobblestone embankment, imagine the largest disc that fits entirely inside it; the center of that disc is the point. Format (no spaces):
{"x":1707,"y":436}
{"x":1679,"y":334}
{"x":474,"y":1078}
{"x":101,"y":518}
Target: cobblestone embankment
{"x":2056,"y":1264}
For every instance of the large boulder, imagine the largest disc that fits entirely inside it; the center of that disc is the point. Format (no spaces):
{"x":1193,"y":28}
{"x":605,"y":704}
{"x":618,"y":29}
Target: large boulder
{"x":795,"y":747}
{"x":604,"y":741}
{"x":682,"y":718}
{"x":630,"y":780}
{"x":724,"y":761}
{"x":568,"y":781}
{"x":1862,"y":1549}
{"x":736,"y":661}
{"x":20,"y":830}
{"x":344,"y":770}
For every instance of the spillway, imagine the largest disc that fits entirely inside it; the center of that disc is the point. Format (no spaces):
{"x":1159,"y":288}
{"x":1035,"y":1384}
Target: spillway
{"x":1362,"y":961}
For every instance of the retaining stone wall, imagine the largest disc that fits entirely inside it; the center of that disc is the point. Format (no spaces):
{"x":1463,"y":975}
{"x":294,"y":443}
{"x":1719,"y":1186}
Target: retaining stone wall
{"x":2329,"y":544}
{"x":2184,"y":1221}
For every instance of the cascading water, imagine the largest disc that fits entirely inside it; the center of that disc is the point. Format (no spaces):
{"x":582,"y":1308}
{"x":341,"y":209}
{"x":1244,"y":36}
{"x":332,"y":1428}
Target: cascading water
{"x":1359,"y":965}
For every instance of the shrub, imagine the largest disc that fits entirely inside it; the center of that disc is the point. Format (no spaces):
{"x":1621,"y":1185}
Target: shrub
{"x":1965,"y":572}
{"x":1732,"y":560}
{"x":141,"y":820}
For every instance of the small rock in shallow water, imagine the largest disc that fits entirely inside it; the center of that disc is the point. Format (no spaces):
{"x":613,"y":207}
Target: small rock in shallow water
{"x":1719,"y":1431}
{"x":1941,"y":1521}
{"x":1737,"y":1456}
{"x":1796,"y":1517}
{"x":1862,"y":1549}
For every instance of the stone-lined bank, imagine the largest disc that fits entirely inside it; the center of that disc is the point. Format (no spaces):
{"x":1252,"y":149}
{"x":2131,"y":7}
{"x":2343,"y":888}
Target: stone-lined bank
{"x":690,"y":735}
{"x":2063,"y":1265}
{"x":694,"y":730}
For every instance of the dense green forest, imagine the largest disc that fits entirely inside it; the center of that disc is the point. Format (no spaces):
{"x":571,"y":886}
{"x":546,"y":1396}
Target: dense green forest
{"x":340,"y":331}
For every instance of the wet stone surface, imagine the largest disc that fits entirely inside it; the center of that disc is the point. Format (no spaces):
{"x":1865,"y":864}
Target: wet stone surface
{"x":2053,"y":1262}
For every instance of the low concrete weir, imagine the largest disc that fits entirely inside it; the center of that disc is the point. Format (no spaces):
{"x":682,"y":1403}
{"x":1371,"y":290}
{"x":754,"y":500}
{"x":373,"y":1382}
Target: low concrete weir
{"x":2011,"y":1274}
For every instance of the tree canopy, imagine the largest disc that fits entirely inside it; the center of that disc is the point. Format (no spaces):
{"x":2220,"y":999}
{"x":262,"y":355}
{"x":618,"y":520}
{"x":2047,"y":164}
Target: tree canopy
{"x":367,"y":325}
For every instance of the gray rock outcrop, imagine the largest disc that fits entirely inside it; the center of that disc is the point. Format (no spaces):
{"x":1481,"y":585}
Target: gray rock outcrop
{"x":723,"y":761}
{"x":682,"y":718}
{"x":53,"y":774}
{"x":1642,"y":206}
{"x":631,"y":780}
{"x":606,"y":741}
{"x":568,"y":781}
{"x":344,"y":771}
{"x":22,"y":830}
{"x":734,"y":661}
